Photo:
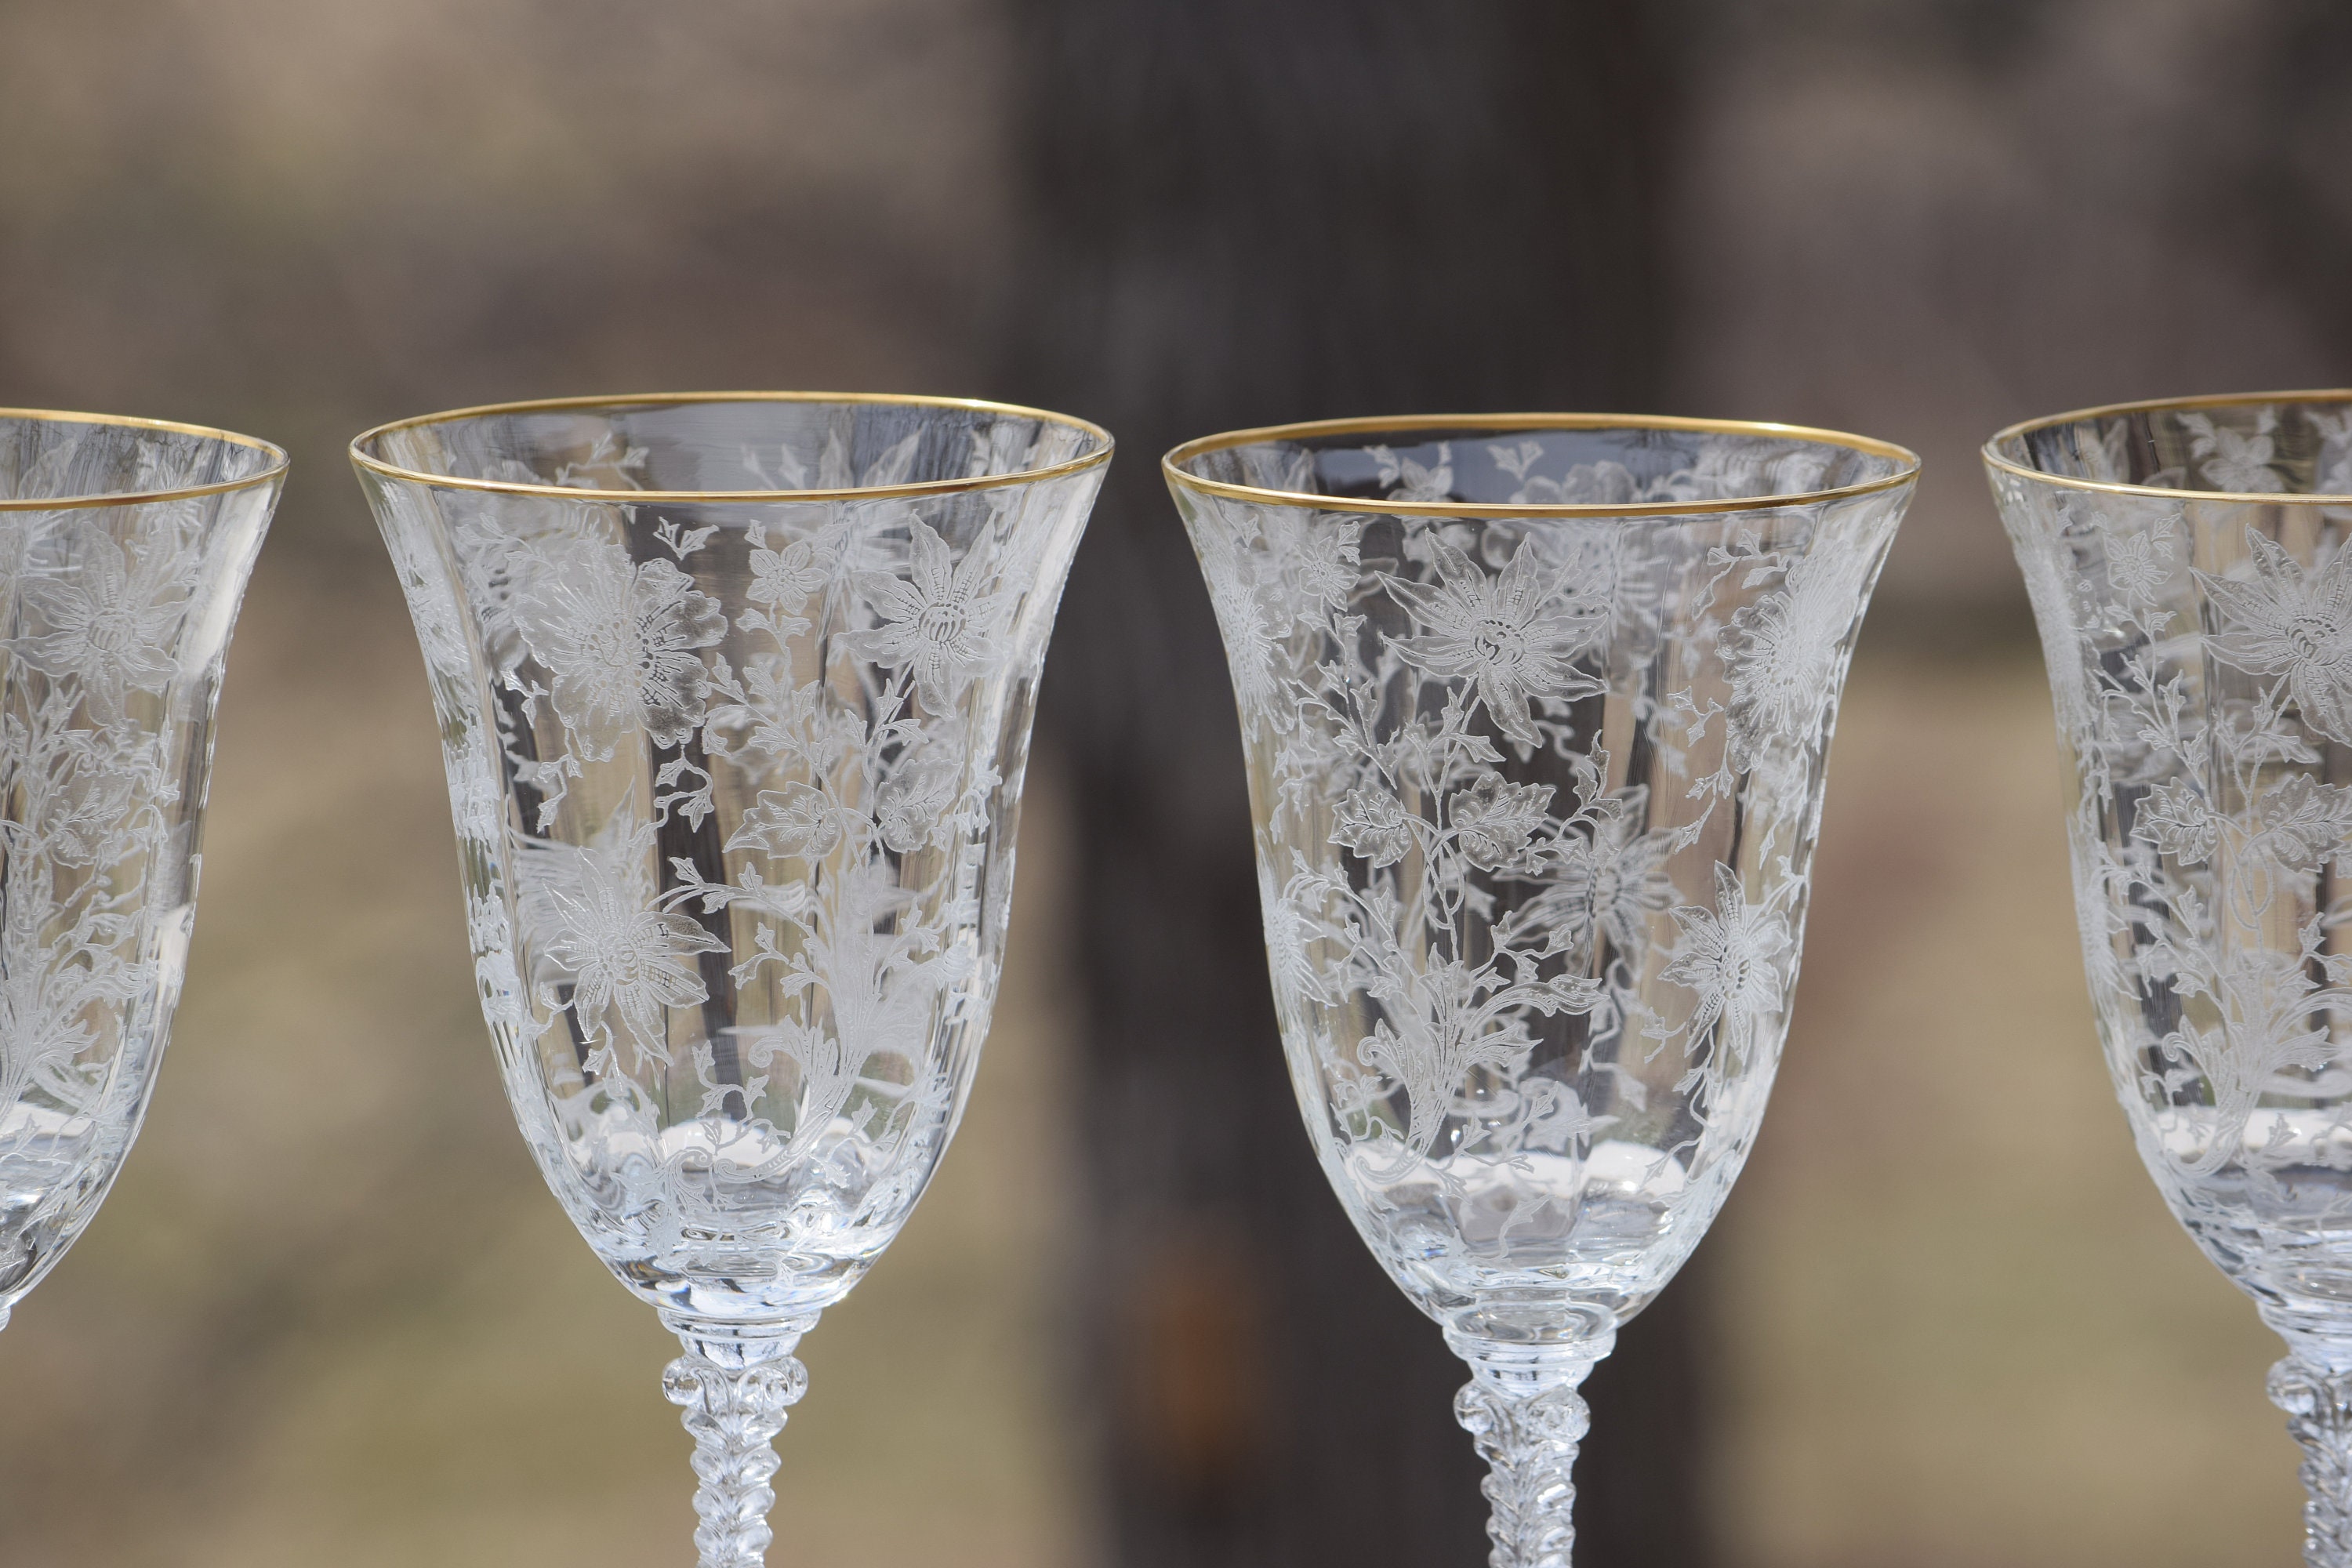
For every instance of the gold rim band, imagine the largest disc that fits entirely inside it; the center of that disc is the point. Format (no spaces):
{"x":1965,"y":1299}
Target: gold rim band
{"x":2018,"y":432}
{"x":675,"y":399}
{"x":1906,"y":461}
{"x":279,"y":462}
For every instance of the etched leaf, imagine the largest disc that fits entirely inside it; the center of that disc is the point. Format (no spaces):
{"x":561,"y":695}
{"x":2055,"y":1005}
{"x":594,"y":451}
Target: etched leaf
{"x":795,"y":821}
{"x":1494,"y":821}
{"x":1373,"y":825}
{"x":2176,"y":818}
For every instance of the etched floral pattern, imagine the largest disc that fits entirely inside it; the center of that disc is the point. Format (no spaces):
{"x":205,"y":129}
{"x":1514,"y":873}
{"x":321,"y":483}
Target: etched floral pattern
{"x":1535,"y":799}
{"x":2200,"y":650}
{"x":2276,"y":621}
{"x":621,"y":640}
{"x":624,"y":951}
{"x":117,"y":618}
{"x":1514,"y":634}
{"x":736,"y":872}
{"x":939,"y":623}
{"x":113,"y":615}
{"x":1734,"y":960}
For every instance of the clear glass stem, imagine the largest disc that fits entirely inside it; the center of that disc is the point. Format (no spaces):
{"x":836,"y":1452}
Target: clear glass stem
{"x":1522,"y":1409}
{"x":735,"y":1384}
{"x":2318,"y":1404}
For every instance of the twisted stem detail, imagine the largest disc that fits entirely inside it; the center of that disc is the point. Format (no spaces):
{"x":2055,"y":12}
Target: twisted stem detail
{"x":2318,"y":1405}
{"x":1523,"y":1411}
{"x":735,"y":1390}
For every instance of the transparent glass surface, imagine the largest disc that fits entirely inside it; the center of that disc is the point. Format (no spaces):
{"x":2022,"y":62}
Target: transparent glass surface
{"x":124,"y":551}
{"x":2189,"y":573}
{"x":1535,"y":714}
{"x":735,"y":698}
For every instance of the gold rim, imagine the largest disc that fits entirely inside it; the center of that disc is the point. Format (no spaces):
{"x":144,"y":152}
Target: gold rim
{"x":1994,"y":460}
{"x":1169,"y":465}
{"x":279,"y":462}
{"x":674,"y":399}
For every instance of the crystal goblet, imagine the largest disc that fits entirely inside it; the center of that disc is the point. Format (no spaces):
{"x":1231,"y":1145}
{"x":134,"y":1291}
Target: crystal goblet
{"x":2188,"y":566}
{"x":1535,"y":709}
{"x":735,"y":694}
{"x":125,"y":545}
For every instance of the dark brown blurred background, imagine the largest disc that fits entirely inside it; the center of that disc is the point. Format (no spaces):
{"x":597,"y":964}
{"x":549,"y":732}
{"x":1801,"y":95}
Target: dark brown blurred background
{"x":330,"y":1314}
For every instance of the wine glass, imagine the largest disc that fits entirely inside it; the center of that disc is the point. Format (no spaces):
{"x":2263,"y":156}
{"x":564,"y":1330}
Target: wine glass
{"x":735,"y":693}
{"x":2188,"y":566}
{"x":1535,"y":711}
{"x":125,"y":548}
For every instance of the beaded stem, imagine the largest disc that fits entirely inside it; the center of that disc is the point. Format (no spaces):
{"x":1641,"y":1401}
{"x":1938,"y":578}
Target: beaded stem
{"x":2318,"y":1405}
{"x":735,"y":1388}
{"x":1522,"y":1409}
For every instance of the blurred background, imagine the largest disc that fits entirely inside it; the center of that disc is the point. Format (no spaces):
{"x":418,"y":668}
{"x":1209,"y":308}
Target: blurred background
{"x":330,"y":1315}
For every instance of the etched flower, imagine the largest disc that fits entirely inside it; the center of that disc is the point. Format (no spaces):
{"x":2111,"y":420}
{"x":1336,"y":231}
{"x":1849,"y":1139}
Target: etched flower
{"x":111,"y":619}
{"x":1782,"y":651}
{"x":936,"y":621}
{"x":1601,"y":483}
{"x":2140,"y":555}
{"x":1627,"y":584}
{"x":1722,"y":470}
{"x":1373,"y":825}
{"x":620,"y":641}
{"x":2175,"y":817}
{"x":595,"y":913}
{"x":1252,"y":651}
{"x":1401,"y":478}
{"x":1493,"y":820}
{"x":1316,"y":559}
{"x":782,"y":580}
{"x":2233,"y":460}
{"x":911,"y":806}
{"x":1615,"y":882}
{"x":1731,"y":958}
{"x":796,"y":821}
{"x":1515,"y":634}
{"x":2303,"y":823}
{"x":2283,"y":622}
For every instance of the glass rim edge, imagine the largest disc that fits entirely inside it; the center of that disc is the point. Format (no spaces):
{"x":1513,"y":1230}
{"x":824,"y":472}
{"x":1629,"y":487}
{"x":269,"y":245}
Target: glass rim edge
{"x":1994,"y":458}
{"x":280,"y":461}
{"x":1907,"y":469}
{"x":378,"y":466}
